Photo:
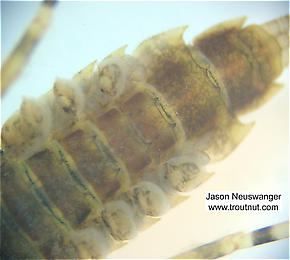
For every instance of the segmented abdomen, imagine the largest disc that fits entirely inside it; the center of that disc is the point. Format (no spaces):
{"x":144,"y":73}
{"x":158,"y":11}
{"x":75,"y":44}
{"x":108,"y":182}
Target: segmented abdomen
{"x":95,"y":160}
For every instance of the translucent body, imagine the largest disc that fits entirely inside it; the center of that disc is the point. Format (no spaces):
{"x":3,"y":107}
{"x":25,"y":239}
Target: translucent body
{"x":164,"y":113}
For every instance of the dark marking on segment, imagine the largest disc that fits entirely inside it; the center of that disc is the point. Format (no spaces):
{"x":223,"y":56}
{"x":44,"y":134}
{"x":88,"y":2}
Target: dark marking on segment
{"x":263,"y":235}
{"x":42,"y":197}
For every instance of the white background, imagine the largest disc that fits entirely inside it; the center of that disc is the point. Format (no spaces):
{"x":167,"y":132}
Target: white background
{"x":82,"y":32}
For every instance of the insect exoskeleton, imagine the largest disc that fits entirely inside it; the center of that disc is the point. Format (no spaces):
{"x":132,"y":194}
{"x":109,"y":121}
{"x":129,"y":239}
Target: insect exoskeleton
{"x":102,"y":156}
{"x":183,"y":174}
{"x":25,"y":132}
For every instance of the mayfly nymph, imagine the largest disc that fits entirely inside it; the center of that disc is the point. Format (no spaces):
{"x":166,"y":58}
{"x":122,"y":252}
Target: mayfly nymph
{"x":101,"y":157}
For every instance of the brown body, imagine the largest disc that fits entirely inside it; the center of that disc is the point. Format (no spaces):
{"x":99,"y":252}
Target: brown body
{"x":137,"y":114}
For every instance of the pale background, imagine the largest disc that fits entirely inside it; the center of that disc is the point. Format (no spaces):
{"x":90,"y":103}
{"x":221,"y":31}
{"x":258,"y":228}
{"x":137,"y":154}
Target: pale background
{"x":82,"y":32}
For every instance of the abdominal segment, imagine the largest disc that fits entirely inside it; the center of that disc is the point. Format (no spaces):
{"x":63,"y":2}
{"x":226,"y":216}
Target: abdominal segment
{"x":105,"y":154}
